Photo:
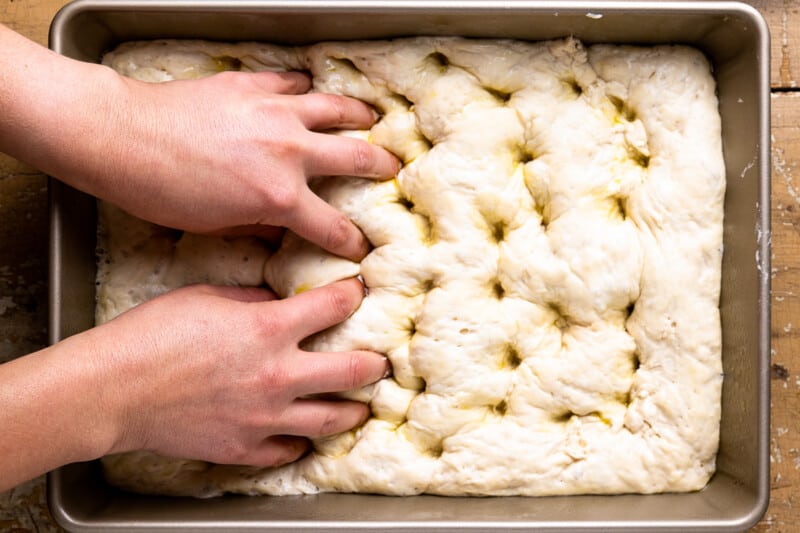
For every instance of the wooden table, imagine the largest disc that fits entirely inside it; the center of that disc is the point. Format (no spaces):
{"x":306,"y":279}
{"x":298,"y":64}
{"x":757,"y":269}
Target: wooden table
{"x":23,"y":266}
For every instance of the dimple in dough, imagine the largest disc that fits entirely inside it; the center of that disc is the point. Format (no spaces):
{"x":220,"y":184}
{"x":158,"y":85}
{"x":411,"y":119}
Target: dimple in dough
{"x":545,"y":274}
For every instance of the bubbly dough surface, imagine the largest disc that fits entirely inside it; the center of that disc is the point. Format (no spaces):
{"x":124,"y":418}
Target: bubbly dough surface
{"x":545,"y":274}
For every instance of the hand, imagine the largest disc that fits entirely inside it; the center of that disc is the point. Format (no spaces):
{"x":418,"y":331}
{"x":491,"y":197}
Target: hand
{"x":237,"y":149}
{"x":209,"y":373}
{"x":216,"y":374}
{"x":230,"y":152}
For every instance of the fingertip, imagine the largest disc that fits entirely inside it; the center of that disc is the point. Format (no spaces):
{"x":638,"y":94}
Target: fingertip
{"x":318,"y":222}
{"x":393,"y":167}
{"x":375,"y":115}
{"x":374,"y":161}
{"x":342,"y":237}
{"x":361,"y":247}
{"x":355,"y":292}
{"x":366,"y":414}
{"x":381,"y":368}
{"x":365,"y":368}
{"x":317,"y":309}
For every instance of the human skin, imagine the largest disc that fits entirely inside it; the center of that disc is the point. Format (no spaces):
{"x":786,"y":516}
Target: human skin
{"x":230,"y":151}
{"x":203,"y":372}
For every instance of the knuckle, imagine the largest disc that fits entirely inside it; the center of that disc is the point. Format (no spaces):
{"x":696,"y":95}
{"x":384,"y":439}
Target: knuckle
{"x":339,"y":232}
{"x":354,"y":371}
{"x":276,"y":380}
{"x":290,"y":148}
{"x":340,"y":301}
{"x":363,"y":158}
{"x":329,"y":423}
{"x":284,"y":197}
{"x":234,"y":81}
{"x":339,"y":109}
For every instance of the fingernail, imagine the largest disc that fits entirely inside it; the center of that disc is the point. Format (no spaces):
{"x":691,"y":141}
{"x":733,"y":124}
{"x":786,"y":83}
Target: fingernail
{"x":364,"y":248}
{"x":364,"y":287}
{"x":388,"y":371}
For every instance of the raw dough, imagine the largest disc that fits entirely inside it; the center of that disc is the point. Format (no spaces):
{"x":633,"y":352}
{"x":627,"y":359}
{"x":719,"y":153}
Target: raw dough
{"x":545,"y":274}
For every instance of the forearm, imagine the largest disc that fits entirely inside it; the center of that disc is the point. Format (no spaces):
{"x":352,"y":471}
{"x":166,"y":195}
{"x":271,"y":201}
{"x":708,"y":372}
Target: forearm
{"x":55,"y":113}
{"x":53,"y":411}
{"x":202,"y":372}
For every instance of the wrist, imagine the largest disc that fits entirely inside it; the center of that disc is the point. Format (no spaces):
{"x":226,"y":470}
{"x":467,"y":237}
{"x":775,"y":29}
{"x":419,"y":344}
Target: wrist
{"x":104,"y":394}
{"x":55,"y":412}
{"x":55,"y":111}
{"x":83,"y":400}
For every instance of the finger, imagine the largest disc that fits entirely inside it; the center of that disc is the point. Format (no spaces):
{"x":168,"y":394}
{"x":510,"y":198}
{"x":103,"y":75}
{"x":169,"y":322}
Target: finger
{"x":318,"y":418}
{"x":239,"y":294}
{"x":318,"y":111}
{"x":319,"y":222}
{"x":283,"y":82}
{"x":320,"y":372}
{"x":278,"y":450}
{"x":336,"y":155}
{"x":320,"y":308}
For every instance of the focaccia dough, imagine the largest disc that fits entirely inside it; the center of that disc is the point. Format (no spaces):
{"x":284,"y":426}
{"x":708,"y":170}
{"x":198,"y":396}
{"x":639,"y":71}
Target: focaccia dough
{"x":545,"y":274}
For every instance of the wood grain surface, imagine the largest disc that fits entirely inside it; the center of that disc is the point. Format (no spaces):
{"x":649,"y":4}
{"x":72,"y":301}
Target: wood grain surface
{"x":23,"y":264}
{"x":23,"y":268}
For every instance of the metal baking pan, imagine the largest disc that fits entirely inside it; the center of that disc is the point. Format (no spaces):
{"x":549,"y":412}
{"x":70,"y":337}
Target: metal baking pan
{"x":734,"y":37}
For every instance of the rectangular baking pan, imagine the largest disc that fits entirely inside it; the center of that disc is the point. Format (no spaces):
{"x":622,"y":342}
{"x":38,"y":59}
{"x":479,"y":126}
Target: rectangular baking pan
{"x":734,"y":37}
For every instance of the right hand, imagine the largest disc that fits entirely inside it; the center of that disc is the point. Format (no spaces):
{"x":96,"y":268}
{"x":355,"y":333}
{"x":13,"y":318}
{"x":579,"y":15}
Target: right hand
{"x":215,"y":373}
